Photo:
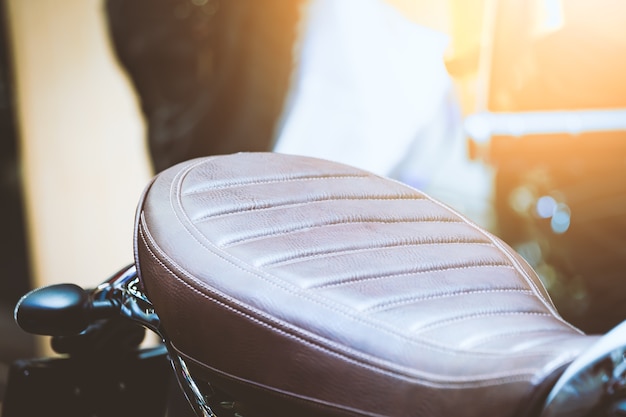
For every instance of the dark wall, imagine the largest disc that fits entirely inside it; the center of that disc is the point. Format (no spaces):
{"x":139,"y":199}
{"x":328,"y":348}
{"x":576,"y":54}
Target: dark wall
{"x":14,"y":271}
{"x":212,"y":76}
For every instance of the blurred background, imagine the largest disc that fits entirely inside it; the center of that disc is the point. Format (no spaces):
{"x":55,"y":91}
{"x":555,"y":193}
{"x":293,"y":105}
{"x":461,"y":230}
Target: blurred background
{"x":511,"y":111}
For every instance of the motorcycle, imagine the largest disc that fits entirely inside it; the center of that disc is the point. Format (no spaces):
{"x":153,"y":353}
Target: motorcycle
{"x":288,"y":285}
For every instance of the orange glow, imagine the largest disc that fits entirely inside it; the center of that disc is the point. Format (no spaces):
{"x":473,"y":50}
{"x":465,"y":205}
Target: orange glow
{"x":558,"y":55}
{"x":531,"y":55}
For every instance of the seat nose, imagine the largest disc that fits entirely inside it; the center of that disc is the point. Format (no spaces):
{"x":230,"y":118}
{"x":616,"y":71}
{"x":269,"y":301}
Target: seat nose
{"x":310,"y":284}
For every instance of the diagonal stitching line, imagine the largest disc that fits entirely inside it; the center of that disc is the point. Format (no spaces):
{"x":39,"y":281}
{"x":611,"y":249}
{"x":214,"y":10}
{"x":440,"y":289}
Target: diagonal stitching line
{"x":441,"y":323}
{"x":273,"y":204}
{"x":452,"y":267}
{"x":401,"y":301}
{"x":325,"y":253}
{"x":295,"y":178}
{"x":486,"y":339}
{"x":345,"y":220}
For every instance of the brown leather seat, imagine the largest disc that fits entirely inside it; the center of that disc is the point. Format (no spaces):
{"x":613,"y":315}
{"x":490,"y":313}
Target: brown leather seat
{"x":297,"y":282}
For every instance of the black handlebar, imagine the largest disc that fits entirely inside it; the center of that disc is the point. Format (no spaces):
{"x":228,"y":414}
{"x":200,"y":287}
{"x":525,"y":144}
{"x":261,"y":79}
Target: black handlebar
{"x":60,"y":310}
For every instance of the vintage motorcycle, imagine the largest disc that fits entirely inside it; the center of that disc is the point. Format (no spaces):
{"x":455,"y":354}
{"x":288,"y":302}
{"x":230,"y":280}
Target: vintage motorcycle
{"x":292,"y":286}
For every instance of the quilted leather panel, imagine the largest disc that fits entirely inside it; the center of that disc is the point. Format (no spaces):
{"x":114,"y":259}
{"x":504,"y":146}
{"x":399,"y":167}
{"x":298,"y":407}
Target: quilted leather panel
{"x":319,"y":269}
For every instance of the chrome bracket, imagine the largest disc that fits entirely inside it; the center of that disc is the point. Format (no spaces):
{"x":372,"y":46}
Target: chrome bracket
{"x":127,"y":289}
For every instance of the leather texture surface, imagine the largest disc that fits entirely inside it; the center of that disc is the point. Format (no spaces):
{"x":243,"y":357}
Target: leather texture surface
{"x":335,"y":289}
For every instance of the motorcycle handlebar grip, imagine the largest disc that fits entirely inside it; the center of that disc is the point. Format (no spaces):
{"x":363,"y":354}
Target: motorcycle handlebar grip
{"x":55,"y":310}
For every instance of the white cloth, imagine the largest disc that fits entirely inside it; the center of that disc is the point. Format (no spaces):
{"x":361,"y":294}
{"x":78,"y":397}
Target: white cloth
{"x":369,"y":82}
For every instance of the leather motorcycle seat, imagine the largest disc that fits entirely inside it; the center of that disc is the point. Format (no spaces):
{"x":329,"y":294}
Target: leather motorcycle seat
{"x":306,"y":285}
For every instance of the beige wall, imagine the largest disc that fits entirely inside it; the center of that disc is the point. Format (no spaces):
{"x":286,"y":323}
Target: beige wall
{"x":82,"y":148}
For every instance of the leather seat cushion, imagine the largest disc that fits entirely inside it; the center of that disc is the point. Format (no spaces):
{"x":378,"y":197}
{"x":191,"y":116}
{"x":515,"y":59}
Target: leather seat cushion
{"x":336,"y":289}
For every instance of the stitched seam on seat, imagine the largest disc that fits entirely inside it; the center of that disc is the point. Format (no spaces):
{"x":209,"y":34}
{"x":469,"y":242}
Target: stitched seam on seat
{"x":482,"y":340}
{"x":471,"y":316}
{"x":313,"y":225}
{"x":325,"y":254}
{"x":382,"y":366}
{"x":268,"y":205}
{"x":274,"y":180}
{"x":402,"y":301}
{"x":348,"y":281}
{"x":326,"y":303}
